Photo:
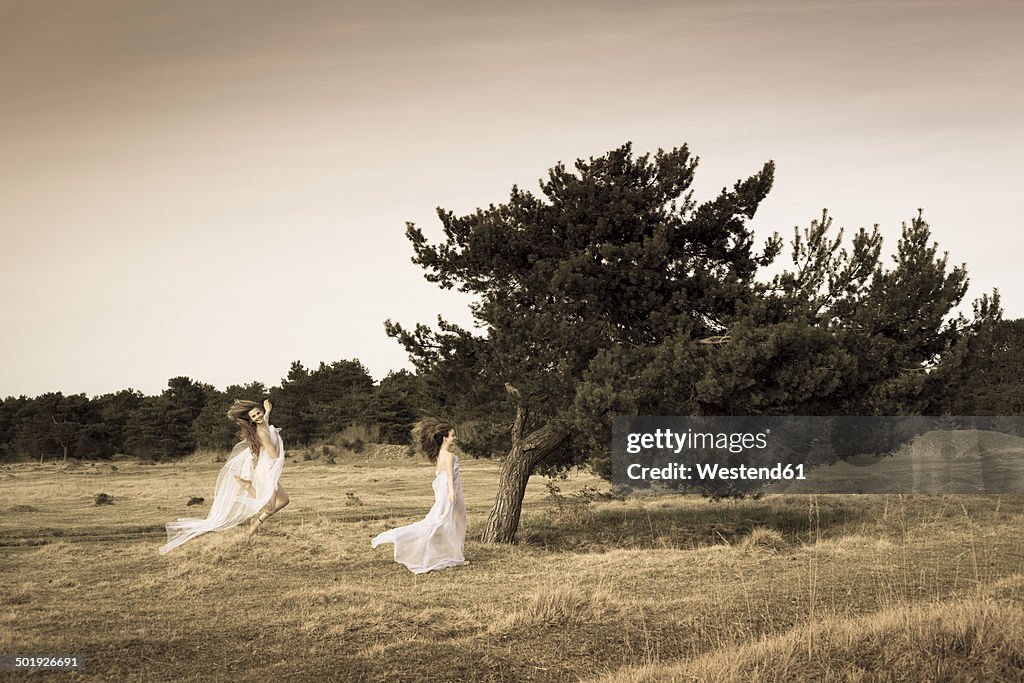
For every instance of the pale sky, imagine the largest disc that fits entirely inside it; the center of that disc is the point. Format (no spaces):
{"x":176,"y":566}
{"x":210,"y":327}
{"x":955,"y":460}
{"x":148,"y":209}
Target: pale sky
{"x":218,"y":188}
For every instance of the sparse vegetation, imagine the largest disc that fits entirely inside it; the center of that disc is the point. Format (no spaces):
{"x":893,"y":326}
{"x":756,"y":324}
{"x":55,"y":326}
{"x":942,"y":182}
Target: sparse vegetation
{"x":645,"y":588}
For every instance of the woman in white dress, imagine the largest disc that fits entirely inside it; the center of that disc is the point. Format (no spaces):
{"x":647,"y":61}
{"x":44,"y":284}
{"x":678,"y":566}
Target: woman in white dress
{"x":248,"y":482}
{"x":436,"y":541}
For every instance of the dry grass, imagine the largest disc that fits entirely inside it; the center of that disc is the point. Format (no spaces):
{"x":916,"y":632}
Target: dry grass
{"x":763,"y":538}
{"x":648,"y":588}
{"x":560,"y":605}
{"x":971,"y":640}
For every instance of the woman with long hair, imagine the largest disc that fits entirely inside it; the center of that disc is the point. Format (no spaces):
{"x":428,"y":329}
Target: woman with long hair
{"x":436,"y":541}
{"x":247,"y":486}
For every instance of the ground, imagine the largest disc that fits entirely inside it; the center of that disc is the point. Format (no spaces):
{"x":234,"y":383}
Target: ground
{"x":645,"y":588}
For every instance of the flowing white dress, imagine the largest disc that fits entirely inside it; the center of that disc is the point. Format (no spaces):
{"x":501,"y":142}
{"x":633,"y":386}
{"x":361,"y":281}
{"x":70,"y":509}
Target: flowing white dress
{"x":233,"y":503}
{"x":437,"y":540}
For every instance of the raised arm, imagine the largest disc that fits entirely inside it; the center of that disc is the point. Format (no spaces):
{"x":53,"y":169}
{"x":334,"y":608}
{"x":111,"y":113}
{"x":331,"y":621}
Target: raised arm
{"x":269,"y":441}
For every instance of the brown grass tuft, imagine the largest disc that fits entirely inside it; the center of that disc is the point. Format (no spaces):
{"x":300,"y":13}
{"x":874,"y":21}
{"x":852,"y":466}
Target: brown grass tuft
{"x":972,"y":640}
{"x":1010,"y":588}
{"x":559,"y":605}
{"x":20,"y":595}
{"x":763,"y":538}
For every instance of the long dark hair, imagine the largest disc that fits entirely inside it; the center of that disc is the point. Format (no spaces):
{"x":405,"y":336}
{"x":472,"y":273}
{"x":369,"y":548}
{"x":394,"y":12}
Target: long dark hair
{"x":427,"y":435}
{"x":239,"y":414}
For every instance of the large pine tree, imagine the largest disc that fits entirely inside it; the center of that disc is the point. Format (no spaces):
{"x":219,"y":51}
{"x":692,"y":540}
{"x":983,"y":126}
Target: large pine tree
{"x":613,"y":292}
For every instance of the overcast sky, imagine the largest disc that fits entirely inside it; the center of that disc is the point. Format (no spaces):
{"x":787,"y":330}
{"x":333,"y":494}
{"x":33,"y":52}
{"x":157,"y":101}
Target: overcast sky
{"x":215,"y":189}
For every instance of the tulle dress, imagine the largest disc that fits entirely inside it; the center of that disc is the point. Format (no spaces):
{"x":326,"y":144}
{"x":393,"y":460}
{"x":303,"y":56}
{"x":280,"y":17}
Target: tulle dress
{"x":233,"y":503}
{"x":437,"y":540}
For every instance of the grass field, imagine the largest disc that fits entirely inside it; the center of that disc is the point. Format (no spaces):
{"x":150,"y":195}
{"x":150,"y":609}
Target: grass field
{"x":599,"y":588}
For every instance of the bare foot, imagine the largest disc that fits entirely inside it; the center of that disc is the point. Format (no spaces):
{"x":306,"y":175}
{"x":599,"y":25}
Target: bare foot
{"x":254,"y":524}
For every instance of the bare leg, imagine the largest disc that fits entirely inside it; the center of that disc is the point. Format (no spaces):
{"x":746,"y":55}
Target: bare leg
{"x":279,"y":501}
{"x":276,"y":503}
{"x":255,"y":522}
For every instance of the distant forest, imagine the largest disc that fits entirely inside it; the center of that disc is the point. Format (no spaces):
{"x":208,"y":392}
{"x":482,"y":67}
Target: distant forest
{"x":316,"y":406}
{"x":311,"y":406}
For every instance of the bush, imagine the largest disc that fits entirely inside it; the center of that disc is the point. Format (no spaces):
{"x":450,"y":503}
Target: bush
{"x":356,"y":445}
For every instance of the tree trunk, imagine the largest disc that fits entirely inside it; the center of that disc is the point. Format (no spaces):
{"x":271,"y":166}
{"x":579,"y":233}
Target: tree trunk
{"x":525,"y":454}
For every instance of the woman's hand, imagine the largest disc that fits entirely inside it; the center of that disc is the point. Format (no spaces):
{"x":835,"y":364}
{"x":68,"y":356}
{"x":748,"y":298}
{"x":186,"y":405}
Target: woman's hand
{"x":247,"y":485}
{"x":451,"y":497}
{"x":267,"y":406}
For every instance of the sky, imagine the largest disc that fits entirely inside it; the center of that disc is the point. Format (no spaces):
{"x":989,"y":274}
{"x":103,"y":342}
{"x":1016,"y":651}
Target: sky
{"x":216,"y":189}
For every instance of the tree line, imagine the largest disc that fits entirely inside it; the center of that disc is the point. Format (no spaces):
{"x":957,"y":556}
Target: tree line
{"x":314,"y":405}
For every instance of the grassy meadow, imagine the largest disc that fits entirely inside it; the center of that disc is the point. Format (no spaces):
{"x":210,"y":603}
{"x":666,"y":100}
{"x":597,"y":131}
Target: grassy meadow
{"x":645,"y":588}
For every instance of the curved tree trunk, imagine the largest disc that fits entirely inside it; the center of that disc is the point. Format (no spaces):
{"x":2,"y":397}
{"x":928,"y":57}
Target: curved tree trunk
{"x":526,"y":453}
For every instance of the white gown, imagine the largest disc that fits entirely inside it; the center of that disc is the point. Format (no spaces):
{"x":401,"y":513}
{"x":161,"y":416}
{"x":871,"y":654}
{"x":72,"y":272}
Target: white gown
{"x":233,"y":503}
{"x":437,"y":540}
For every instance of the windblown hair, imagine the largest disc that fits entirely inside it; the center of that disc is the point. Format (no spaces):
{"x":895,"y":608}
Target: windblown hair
{"x":427,"y":435}
{"x":239,"y":414}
